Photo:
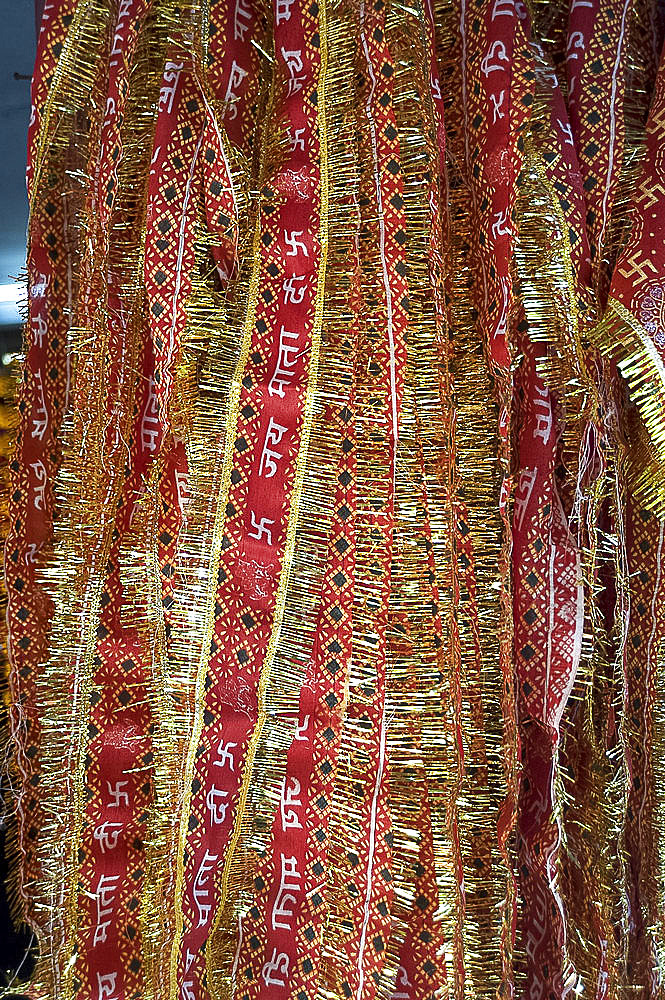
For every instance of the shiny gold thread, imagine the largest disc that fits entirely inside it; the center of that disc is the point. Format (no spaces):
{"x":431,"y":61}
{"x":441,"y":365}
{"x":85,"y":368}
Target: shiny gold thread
{"x":308,"y":413}
{"x":231,"y":426}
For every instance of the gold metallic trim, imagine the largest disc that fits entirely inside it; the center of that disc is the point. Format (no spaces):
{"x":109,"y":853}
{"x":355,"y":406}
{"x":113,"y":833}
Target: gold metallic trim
{"x":211,"y":592}
{"x":231,"y":426}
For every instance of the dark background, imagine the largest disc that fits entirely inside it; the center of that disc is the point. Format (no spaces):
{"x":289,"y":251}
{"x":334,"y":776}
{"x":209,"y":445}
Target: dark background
{"x":17,"y":51}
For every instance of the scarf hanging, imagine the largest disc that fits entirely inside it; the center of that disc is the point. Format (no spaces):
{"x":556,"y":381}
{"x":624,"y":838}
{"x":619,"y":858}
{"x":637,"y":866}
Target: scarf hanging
{"x":334,"y":527}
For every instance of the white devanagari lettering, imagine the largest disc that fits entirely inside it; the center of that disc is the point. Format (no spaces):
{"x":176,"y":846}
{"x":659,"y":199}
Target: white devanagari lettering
{"x":301,"y":730}
{"x":187,"y":991}
{"x":40,"y":419}
{"x":496,"y":59}
{"x":105,"y":897}
{"x":150,"y":419}
{"x":278,"y":964}
{"x":172,"y":71}
{"x":293,"y":293}
{"x":523,"y":493}
{"x":294,"y":64}
{"x":182,"y":489}
{"x":575,"y":47}
{"x":543,"y":407}
{"x":202,"y":887}
{"x":39,"y":469}
{"x":109,"y":113}
{"x":39,"y":286}
{"x":242,"y":20}
{"x":236,"y":76}
{"x":286,"y":360}
{"x":217,"y":805}
{"x":123,"y":13}
{"x":497,"y":105}
{"x":107,"y":835}
{"x":39,"y":330}
{"x":403,"y":985}
{"x":567,"y":132}
{"x":501,"y":224}
{"x":289,"y":885}
{"x":269,"y":456}
{"x":106,"y":985}
{"x":503,"y":8}
{"x":283,"y":10}
{"x":289,"y":802}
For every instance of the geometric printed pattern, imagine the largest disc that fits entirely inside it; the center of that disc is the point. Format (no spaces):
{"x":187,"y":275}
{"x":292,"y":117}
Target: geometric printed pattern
{"x":334,"y":558}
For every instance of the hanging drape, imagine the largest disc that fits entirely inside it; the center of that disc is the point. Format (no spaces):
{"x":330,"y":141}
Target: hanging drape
{"x":336,"y":518}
